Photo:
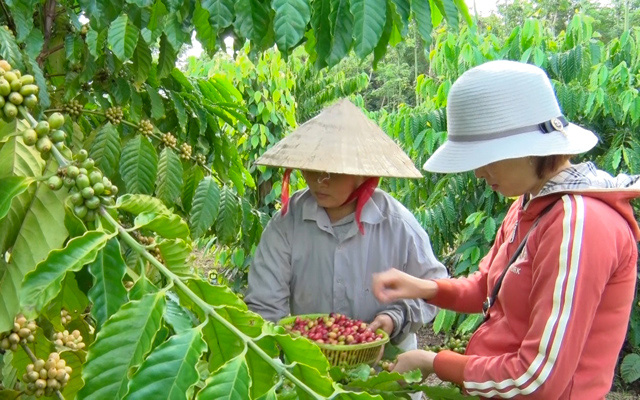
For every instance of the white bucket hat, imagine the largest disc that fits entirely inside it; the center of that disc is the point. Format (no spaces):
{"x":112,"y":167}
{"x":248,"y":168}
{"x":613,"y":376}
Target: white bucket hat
{"x":342,"y":140}
{"x":502,"y":110}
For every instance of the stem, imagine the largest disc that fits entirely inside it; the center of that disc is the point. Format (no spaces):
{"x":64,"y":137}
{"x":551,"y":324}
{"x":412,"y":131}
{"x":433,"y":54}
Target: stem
{"x":207,"y":308}
{"x":34,"y":360}
{"x":10,"y":21}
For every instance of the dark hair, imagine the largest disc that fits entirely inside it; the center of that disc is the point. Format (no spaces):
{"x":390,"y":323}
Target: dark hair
{"x":548,"y":164}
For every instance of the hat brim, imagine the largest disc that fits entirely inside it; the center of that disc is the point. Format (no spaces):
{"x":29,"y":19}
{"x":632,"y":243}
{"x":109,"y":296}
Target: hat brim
{"x":466,"y":156}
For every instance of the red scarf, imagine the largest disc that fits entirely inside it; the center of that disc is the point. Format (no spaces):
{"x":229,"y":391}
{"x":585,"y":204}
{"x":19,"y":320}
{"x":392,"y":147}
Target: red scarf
{"x":362,"y":194}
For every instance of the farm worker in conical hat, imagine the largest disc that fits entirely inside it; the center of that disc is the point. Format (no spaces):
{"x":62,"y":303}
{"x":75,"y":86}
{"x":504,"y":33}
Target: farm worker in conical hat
{"x":557,"y":286}
{"x":320,"y":251}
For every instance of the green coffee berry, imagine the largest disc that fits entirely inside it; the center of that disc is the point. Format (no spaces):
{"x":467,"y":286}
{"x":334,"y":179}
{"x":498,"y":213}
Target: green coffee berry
{"x":73,"y":171}
{"x":95,"y":176}
{"x":56,"y":120}
{"x":42,"y":128}
{"x":87,"y":192}
{"x":92,"y":203}
{"x":76,"y":199}
{"x":58,"y":136}
{"x":82,"y":181}
{"x":80,"y":211}
{"x":30,"y":137}
{"x":44,"y":145}
{"x":82,"y":155}
{"x":55,"y":182}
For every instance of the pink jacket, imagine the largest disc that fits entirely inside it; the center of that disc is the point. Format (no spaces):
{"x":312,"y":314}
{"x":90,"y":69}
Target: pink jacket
{"x":561,"y":316}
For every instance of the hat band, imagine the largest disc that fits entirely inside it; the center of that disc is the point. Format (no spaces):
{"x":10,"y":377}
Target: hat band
{"x":554,"y":124}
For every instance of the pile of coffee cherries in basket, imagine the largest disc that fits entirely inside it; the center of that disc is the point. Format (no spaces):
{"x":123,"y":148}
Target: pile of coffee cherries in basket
{"x":335,"y":329}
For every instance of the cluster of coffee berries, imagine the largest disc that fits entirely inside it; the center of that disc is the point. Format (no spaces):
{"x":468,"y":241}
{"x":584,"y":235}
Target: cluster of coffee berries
{"x":185,"y":151}
{"x":146,"y":240}
{"x":23,"y":331}
{"x":44,"y":136}
{"x":88,"y":187}
{"x":65,"y":317}
{"x":169,"y":140}
{"x":145,"y":127}
{"x":71,"y":340}
{"x":114,"y":115}
{"x":453,"y":343}
{"x":45,"y":377}
{"x":334,"y":329}
{"x":15,"y":90}
{"x":73,"y":108}
{"x":201,"y":159}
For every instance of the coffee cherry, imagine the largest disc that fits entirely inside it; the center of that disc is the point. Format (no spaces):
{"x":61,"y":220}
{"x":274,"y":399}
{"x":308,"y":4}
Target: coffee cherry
{"x":54,"y":183}
{"x":88,"y":164}
{"x":10,"y":110}
{"x":42,"y":128}
{"x":30,"y":101}
{"x":92,"y":203}
{"x":16,"y":98}
{"x":95,"y":176}
{"x":58,"y":136}
{"x":80,"y":211}
{"x":4,"y":64}
{"x":87,"y":192}
{"x":44,"y":145}
{"x":76,"y":199}
{"x":29,"y":137}
{"x":201,"y":159}
{"x":82,"y":155}
{"x":82,"y":181}
{"x":98,"y":188}
{"x":27,"y":79}
{"x":56,"y":120}
{"x":73,"y":171}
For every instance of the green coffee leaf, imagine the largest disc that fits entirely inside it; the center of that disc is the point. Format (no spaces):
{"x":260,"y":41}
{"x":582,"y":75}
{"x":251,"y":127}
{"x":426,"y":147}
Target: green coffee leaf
{"x":170,"y":370}
{"x":10,"y":187}
{"x":206,"y":203}
{"x":44,"y":283}
{"x":123,"y":37}
{"x":229,"y":382}
{"x":121,"y":345}
{"x":107,"y":293}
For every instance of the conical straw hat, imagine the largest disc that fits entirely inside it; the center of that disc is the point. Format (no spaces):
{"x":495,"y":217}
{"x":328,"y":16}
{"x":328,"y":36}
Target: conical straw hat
{"x":341,"y":140}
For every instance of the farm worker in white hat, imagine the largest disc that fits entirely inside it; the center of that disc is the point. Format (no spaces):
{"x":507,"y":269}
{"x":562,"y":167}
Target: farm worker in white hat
{"x":320,"y":251}
{"x":557,"y":286}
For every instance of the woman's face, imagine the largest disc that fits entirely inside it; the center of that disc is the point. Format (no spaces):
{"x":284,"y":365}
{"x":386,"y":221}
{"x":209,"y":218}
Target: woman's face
{"x":512,"y":177}
{"x":331,"y":190}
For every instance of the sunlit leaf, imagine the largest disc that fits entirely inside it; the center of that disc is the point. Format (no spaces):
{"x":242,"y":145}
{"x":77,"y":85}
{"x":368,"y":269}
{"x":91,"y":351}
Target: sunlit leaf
{"x":43,"y":284}
{"x":121,"y":344}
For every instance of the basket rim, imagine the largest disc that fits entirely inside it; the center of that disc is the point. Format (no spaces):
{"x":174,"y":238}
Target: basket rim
{"x":339,"y":347}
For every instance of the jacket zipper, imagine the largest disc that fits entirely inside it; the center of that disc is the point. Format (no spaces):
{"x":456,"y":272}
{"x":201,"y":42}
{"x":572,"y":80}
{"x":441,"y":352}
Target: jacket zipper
{"x":513,"y":233}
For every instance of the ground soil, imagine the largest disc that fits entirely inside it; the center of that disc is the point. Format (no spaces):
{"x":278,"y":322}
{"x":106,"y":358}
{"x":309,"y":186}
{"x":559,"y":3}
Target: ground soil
{"x":426,"y":337}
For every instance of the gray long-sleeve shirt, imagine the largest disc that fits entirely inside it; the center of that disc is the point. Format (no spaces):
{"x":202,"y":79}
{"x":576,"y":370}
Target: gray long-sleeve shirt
{"x":305,"y":264}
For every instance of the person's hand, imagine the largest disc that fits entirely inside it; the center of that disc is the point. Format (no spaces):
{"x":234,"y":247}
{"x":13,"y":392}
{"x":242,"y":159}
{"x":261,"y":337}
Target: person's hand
{"x":382,"y":321}
{"x":413,"y":359}
{"x":393,"y":284}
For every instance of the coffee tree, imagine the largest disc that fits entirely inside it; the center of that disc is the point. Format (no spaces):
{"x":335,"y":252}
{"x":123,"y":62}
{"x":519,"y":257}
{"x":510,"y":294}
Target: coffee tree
{"x":112,"y":162}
